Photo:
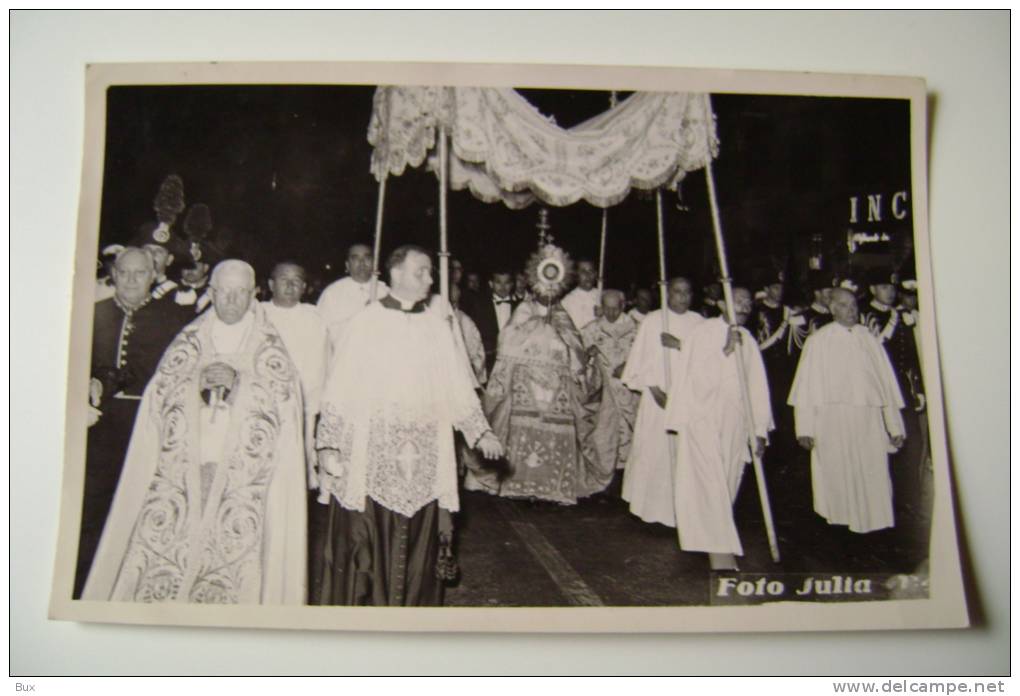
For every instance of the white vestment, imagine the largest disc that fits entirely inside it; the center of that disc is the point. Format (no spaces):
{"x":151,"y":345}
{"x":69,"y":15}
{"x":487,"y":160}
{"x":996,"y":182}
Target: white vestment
{"x":396,"y":391}
{"x":210,"y":506}
{"x":341,"y":300}
{"x":304,"y":335}
{"x":614,"y":341}
{"x":580,"y":305}
{"x":845,"y":396}
{"x":706,"y":410}
{"x":473,"y":345}
{"x":648,"y":475}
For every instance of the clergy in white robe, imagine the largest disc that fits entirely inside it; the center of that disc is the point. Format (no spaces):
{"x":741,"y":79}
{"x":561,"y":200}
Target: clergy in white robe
{"x":471,"y":336}
{"x":581,"y":302}
{"x":847,"y":413}
{"x":610,"y":338}
{"x":395,"y":392}
{"x":706,"y":411}
{"x":648,"y":474}
{"x":210,"y":507}
{"x":344,"y":298}
{"x":304,"y":335}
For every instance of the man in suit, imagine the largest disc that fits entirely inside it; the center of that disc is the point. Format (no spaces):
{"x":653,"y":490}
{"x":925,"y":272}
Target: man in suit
{"x":491,"y":312}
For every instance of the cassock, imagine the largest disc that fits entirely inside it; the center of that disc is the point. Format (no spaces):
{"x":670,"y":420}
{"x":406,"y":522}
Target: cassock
{"x":845,"y":396}
{"x":543,"y":401}
{"x":341,"y":300}
{"x":580,"y":305}
{"x":648,"y":474}
{"x":706,"y":411}
{"x":211,"y":504}
{"x":396,"y":391}
{"x":613,"y":340}
{"x":126,"y":347}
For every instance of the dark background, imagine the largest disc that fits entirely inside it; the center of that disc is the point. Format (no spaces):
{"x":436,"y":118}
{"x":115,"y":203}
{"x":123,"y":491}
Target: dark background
{"x":284,"y":170}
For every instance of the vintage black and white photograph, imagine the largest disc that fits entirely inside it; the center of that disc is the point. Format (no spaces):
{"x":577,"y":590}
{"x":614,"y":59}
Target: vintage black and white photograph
{"x":658,"y":342}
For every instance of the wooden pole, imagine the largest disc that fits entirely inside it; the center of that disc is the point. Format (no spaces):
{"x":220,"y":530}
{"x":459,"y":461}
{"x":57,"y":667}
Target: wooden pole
{"x":378,"y":237}
{"x":602,"y":252}
{"x":727,"y":284}
{"x":444,"y":253}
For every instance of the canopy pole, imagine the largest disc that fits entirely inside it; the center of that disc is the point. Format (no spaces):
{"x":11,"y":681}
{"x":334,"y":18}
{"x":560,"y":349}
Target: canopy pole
{"x":602,"y":252}
{"x":727,"y":284}
{"x":444,"y":253}
{"x":378,"y":237}
{"x":664,"y":311}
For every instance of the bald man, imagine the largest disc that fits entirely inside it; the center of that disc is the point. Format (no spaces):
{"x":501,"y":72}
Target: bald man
{"x":847,"y":404}
{"x":211,"y":504}
{"x":609,"y":338}
{"x":648,"y":474}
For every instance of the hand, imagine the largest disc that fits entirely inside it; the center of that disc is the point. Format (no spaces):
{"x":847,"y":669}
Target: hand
{"x":618,"y":372}
{"x":490,"y":446}
{"x":759,"y":447}
{"x":807,"y":443}
{"x":898,"y":440}
{"x":95,"y":393}
{"x":669,"y":341}
{"x":659,"y":396}
{"x":218,"y":375}
{"x":329,"y":462}
{"x":93,"y":415}
{"x":733,"y":339}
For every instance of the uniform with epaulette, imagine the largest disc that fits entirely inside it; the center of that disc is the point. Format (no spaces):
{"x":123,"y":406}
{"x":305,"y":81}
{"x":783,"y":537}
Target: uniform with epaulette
{"x":126,"y":347}
{"x":894,"y":330}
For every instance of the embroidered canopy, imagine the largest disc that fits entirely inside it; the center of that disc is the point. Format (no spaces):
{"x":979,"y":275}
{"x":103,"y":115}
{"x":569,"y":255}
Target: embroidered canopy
{"x":504,"y":149}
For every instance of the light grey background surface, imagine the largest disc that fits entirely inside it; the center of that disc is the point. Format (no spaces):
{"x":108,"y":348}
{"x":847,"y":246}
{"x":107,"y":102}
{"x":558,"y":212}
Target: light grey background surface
{"x":964,"y":57}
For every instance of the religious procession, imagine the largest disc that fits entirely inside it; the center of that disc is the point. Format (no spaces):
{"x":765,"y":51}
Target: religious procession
{"x":549,"y":422}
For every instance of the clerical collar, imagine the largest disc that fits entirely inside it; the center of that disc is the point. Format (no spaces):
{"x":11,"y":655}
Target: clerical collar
{"x":392,"y":302}
{"x":880,"y":306}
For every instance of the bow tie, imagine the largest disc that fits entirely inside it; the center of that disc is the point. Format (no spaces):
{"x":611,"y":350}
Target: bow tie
{"x":499,"y":302}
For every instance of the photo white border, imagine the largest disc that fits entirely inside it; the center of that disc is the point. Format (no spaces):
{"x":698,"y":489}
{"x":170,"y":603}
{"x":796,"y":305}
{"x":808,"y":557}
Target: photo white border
{"x":963,"y":55}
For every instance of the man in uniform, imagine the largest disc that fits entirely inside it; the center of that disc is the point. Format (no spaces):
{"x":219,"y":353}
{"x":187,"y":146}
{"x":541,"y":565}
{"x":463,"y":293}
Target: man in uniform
{"x":817,"y":314}
{"x":211,"y":505}
{"x":773,"y":325}
{"x":396,"y":391}
{"x":894,"y":330}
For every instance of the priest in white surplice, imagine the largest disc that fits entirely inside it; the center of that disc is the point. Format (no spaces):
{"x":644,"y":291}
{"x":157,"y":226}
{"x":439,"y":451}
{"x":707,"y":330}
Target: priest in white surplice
{"x":396,"y":390}
{"x":648,"y":474}
{"x":582,"y":303}
{"x":210,"y":507}
{"x":344,"y":298}
{"x":847,"y":411}
{"x":304,"y":335}
{"x":706,"y":411}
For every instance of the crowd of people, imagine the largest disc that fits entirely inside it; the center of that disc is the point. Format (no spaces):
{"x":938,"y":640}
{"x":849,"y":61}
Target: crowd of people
{"x":239,"y":444}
